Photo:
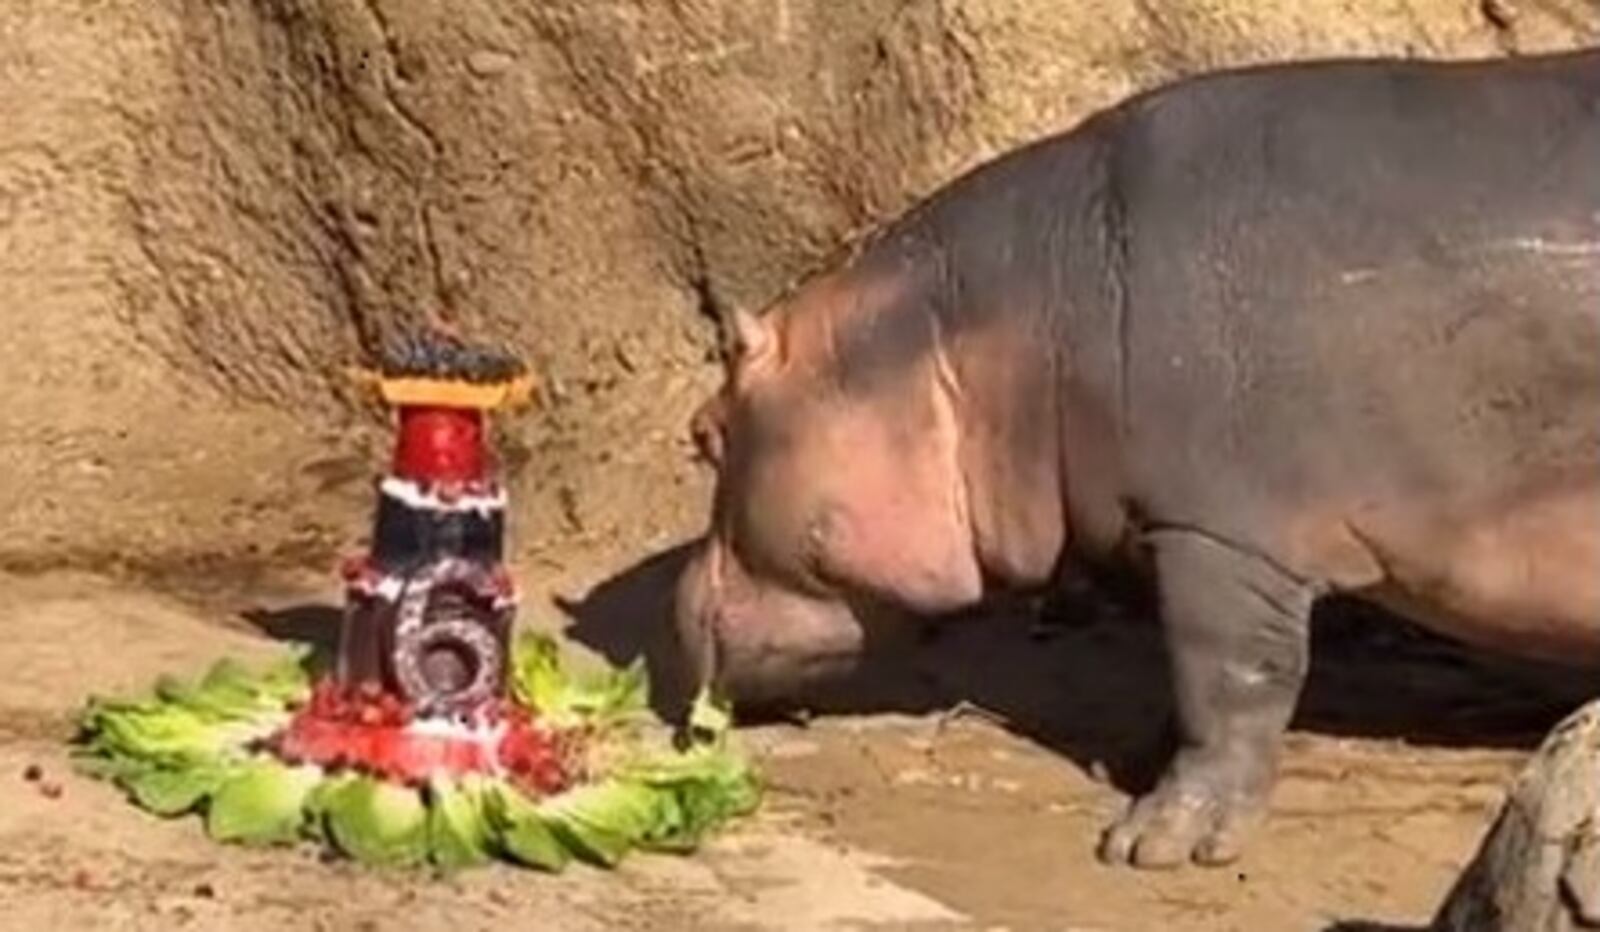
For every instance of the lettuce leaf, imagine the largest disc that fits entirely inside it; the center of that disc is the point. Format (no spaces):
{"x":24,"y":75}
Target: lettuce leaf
{"x":262,"y":803}
{"x":705,"y":786}
{"x":539,"y":680}
{"x":194,"y":746}
{"x":601,"y":821}
{"x":378,"y":822}
{"x":185,"y":724}
{"x":173,"y":791}
{"x":230,"y":690}
{"x":171,"y":735}
{"x":521,"y":831}
{"x":709,"y":719}
{"x":319,"y":803}
{"x":458,"y":823}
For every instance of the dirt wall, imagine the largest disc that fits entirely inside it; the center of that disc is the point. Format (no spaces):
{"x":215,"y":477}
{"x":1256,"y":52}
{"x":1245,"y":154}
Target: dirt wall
{"x":209,"y":207}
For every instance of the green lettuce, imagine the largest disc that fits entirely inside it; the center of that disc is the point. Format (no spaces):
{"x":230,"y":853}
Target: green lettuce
{"x":186,"y":724}
{"x":230,"y":692}
{"x":170,"y":735}
{"x":599,"y":822}
{"x":703,"y":787}
{"x":262,"y":803}
{"x":380,"y":823}
{"x":459,"y":833}
{"x":170,"y":792}
{"x":522,"y":831}
{"x":539,"y":681}
{"x":197,"y":747}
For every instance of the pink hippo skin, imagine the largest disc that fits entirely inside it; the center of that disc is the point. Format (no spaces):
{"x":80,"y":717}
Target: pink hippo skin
{"x":1266,"y":335}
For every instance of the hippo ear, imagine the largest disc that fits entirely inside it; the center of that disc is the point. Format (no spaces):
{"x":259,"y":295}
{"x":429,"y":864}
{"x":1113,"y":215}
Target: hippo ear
{"x":752,"y":336}
{"x":706,"y":427}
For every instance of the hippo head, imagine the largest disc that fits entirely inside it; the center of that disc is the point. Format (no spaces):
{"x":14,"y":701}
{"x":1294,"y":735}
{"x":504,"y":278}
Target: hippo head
{"x":839,"y":506}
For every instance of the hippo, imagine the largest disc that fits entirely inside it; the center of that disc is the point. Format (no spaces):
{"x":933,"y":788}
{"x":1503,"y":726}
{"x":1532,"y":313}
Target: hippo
{"x":1264,"y":335}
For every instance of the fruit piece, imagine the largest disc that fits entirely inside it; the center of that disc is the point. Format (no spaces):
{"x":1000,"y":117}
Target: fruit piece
{"x":389,"y":706}
{"x":312,"y":738}
{"x":394,"y":750}
{"x":327,"y":701}
{"x":540,"y":778}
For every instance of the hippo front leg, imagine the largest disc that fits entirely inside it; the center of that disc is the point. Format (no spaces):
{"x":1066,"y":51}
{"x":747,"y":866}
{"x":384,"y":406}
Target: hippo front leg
{"x":1237,"y":633}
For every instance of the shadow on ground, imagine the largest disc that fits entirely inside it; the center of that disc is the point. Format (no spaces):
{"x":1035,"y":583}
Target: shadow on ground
{"x":629,"y":616}
{"x":1086,"y":676}
{"x":314,"y":625}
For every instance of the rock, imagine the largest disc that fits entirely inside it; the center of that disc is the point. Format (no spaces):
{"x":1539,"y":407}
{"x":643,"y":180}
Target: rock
{"x":1538,"y":869}
{"x":486,"y":63}
{"x":794,"y":748}
{"x":221,"y":205}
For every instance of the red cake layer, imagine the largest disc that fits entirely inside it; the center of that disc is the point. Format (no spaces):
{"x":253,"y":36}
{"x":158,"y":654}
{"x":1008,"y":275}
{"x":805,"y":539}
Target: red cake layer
{"x":439,"y":445}
{"x":377,"y":733}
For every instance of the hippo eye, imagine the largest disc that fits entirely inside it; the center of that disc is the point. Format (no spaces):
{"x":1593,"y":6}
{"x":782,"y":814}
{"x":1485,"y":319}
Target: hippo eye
{"x":814,"y":549}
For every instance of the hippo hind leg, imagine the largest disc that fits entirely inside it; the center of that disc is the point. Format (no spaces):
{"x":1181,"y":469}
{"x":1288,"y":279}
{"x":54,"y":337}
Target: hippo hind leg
{"x":1237,"y":634}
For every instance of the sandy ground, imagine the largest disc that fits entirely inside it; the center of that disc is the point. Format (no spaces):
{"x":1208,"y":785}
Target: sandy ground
{"x":964,"y":790}
{"x":204,"y":205}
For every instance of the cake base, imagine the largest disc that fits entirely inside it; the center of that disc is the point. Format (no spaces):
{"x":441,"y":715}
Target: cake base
{"x":562,"y":769}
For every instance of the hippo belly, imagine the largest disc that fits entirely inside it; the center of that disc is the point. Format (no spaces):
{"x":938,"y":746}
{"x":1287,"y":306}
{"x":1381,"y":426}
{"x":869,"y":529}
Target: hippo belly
{"x":1429,"y":436}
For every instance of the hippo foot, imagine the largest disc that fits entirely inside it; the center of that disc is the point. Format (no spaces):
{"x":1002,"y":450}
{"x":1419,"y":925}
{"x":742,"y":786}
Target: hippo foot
{"x":1194,"y":817}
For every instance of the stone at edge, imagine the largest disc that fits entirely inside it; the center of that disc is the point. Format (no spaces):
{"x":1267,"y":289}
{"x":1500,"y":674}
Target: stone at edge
{"x":1538,"y":869}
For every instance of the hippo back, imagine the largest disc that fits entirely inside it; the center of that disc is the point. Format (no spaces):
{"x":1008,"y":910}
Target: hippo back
{"x":1354,"y":280}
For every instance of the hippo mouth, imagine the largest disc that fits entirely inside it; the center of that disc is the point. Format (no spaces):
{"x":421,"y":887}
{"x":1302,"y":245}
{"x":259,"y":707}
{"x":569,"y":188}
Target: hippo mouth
{"x":760,"y":645}
{"x":773,"y":681}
